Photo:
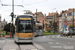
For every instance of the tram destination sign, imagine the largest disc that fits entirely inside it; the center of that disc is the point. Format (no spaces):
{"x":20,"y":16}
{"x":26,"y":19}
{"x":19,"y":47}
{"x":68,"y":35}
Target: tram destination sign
{"x":25,"y":18}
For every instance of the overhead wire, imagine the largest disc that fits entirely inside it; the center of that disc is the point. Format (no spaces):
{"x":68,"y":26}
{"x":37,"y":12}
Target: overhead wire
{"x":36,"y":2}
{"x":32,"y":3}
{"x":0,"y":3}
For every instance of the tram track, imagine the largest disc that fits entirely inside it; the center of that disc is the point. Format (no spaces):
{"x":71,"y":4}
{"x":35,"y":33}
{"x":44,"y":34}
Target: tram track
{"x":29,"y":46}
{"x":11,"y":45}
{"x":35,"y":47}
{"x":26,"y":46}
{"x":3,"y":45}
{"x":19,"y":47}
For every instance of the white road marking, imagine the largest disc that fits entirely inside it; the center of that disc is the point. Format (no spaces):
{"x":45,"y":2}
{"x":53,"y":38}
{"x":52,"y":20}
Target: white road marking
{"x":48,"y":36}
{"x":44,"y":36}
{"x":58,"y":36}
{"x":33,"y":49}
{"x":57,"y":43}
{"x":53,"y":36}
{"x":50,"y":42}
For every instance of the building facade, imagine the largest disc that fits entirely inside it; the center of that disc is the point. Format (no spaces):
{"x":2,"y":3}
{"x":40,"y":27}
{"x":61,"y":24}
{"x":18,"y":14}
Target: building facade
{"x":67,"y":19}
{"x":2,"y":24}
{"x":39,"y":14}
{"x":51,"y":18}
{"x":43,"y":21}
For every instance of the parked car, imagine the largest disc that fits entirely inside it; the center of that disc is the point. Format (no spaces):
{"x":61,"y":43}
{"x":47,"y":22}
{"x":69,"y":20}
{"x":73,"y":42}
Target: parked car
{"x":66,"y":32}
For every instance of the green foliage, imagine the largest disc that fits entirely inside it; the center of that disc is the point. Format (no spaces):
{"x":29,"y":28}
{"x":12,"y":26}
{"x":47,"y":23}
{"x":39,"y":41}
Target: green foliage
{"x":7,"y":28}
{"x":49,"y":33}
{"x":48,"y":30}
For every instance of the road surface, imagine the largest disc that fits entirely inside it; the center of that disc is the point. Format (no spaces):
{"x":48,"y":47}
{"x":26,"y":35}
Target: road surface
{"x":46,"y":42}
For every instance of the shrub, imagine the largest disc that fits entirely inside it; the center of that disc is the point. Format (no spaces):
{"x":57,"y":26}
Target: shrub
{"x":48,"y":30}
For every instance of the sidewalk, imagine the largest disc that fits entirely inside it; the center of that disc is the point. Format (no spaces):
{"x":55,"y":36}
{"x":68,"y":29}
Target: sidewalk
{"x":5,"y":36}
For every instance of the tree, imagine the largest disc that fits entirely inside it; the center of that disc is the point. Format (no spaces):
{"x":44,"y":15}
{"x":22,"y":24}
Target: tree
{"x":28,"y":12}
{"x":50,"y":24}
{"x":7,"y":28}
{"x":55,"y":25}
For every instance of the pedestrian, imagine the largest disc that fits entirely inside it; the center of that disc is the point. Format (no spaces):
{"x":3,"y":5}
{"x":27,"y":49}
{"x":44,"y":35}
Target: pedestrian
{"x":4,"y":34}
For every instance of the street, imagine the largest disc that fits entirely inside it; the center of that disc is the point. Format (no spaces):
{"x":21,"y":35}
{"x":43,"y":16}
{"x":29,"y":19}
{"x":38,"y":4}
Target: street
{"x":55,"y":42}
{"x":47,"y":42}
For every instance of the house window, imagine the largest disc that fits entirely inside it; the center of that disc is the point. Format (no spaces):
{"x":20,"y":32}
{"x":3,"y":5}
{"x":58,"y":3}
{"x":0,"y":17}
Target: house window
{"x":63,"y":14}
{"x":69,"y":14}
{"x":45,"y":19}
{"x":68,"y":19}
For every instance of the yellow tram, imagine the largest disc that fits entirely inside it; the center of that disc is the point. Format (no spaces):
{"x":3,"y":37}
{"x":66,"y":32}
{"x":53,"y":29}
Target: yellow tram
{"x":24,"y":31}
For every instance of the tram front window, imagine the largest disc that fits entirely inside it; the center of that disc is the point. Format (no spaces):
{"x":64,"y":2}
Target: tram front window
{"x":25,"y":26}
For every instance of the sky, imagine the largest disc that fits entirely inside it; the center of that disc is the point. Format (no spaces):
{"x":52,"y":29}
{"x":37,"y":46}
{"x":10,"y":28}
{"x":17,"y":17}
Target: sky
{"x":45,"y":6}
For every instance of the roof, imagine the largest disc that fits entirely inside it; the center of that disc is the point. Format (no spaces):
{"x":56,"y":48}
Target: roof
{"x":71,"y":10}
{"x":41,"y":17}
{"x":38,"y":13}
{"x":52,"y":14}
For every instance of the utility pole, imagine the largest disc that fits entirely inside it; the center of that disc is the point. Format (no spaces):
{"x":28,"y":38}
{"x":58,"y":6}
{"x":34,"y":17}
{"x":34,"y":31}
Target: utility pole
{"x":12,"y":13}
{"x":36,"y":15}
{"x":73,"y":20}
{"x":54,"y":20}
{"x":66,"y":19}
{"x":54,"y":23}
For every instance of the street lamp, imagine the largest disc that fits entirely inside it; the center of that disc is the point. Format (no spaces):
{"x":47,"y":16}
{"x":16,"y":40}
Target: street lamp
{"x":36,"y":15}
{"x":53,"y":9}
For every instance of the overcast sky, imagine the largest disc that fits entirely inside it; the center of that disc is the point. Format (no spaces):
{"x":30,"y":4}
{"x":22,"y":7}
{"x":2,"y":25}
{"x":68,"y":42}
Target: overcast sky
{"x":44,"y":6}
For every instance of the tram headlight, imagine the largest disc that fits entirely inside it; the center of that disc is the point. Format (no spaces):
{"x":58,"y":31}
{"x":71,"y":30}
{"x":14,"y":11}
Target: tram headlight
{"x":33,"y":33}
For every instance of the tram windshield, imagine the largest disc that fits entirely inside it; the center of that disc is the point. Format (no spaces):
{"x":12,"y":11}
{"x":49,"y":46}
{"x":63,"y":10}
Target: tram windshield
{"x":25,"y":26}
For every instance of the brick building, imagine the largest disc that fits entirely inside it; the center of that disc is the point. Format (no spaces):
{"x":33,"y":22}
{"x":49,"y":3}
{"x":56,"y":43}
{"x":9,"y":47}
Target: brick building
{"x":43,"y":21}
{"x":39,"y":14}
{"x":50,"y":20}
{"x":67,"y":19}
